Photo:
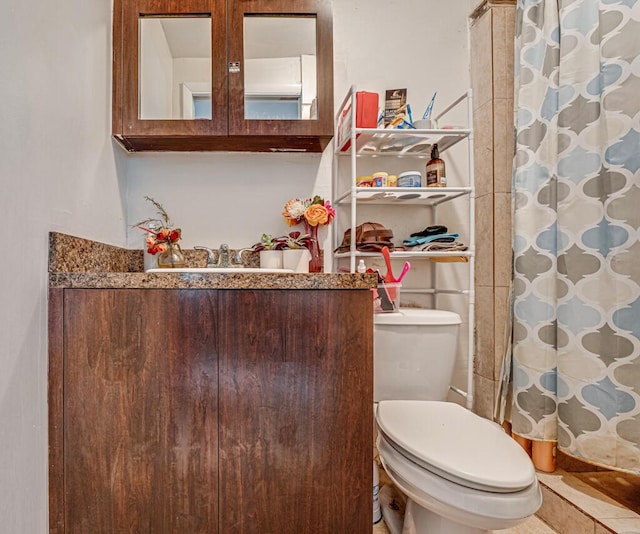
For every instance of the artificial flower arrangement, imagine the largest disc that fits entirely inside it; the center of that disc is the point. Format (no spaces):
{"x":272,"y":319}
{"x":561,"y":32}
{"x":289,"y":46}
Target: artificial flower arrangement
{"x":161,"y":234}
{"x":311,"y":211}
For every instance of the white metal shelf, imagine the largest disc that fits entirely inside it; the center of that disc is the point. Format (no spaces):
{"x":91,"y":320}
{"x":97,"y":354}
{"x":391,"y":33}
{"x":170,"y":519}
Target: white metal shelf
{"x":358,"y":144}
{"x":406,"y":254}
{"x":398,"y":143}
{"x":427,"y":196}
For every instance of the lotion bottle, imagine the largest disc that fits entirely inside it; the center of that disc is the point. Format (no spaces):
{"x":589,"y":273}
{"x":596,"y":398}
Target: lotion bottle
{"x":436,"y":175}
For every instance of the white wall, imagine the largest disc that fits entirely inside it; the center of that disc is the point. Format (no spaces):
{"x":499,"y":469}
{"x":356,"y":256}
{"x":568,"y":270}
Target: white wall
{"x":61,"y":171}
{"x":58,"y":171}
{"x":220,"y":197}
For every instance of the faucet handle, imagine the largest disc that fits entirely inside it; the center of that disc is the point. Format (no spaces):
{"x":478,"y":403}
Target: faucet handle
{"x":238,"y":257}
{"x":211,"y":258}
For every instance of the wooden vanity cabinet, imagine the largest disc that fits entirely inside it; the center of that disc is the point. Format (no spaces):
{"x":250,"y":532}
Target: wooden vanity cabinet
{"x":217,"y":411}
{"x":227,"y":129}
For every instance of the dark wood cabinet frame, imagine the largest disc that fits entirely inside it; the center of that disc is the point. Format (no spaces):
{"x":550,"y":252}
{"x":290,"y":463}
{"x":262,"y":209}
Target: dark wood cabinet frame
{"x":227,"y":130}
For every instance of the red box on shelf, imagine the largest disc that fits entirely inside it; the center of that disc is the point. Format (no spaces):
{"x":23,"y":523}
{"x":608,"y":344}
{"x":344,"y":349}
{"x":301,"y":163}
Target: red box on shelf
{"x":366,"y":116}
{"x":366,"y":109}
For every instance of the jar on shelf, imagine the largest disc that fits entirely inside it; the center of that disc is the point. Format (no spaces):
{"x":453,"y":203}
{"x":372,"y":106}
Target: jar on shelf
{"x":410,"y":179}
{"x":379,"y":179}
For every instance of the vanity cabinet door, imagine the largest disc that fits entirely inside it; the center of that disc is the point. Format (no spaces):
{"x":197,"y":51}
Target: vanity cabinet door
{"x":283,"y":83}
{"x":296,"y":394}
{"x":135,"y":448}
{"x":169,"y":71}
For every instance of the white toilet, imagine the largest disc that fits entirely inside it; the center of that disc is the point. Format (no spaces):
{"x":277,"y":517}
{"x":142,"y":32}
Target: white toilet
{"x":461,"y":473}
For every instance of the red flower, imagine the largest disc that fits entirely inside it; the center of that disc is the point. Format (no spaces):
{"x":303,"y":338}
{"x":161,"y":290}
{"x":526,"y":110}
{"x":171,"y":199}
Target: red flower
{"x":160,"y":232}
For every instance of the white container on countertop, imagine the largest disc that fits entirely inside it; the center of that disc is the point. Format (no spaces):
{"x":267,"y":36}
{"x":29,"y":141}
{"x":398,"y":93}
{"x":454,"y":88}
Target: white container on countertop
{"x":271,"y":259}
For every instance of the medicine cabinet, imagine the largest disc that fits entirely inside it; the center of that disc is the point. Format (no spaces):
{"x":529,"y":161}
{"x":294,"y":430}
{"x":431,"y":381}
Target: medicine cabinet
{"x":247,"y":75}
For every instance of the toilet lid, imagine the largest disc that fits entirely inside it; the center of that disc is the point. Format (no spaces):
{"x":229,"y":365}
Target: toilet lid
{"x":456,"y":444}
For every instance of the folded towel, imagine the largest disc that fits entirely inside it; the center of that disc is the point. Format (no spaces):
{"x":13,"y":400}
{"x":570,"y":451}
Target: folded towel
{"x":415,"y":241}
{"x":444,"y":247}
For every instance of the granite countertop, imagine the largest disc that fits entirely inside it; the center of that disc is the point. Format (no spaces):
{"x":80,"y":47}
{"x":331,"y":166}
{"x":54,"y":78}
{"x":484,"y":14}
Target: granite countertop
{"x":80,"y":263}
{"x":212,"y":281}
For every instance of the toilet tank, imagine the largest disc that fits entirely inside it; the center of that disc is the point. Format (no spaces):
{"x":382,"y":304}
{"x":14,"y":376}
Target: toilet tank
{"x":414,"y":353}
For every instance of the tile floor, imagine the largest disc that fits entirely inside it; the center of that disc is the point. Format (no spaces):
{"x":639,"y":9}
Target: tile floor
{"x":621,"y":487}
{"x":600,"y":502}
{"x":533,"y":525}
{"x":571,"y":505}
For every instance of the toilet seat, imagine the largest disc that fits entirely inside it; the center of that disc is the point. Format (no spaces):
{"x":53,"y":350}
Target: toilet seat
{"x":476,"y":508}
{"x":456,"y":444}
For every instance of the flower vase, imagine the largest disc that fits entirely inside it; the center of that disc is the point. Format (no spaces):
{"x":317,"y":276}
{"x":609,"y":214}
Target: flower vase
{"x":315,"y":263}
{"x":172,"y":257}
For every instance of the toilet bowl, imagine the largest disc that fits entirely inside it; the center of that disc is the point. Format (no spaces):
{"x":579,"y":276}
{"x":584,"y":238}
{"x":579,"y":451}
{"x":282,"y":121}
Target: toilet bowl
{"x":461,"y":473}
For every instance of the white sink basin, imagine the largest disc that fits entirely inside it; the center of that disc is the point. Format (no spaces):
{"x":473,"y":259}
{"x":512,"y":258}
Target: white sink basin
{"x":220,"y":270}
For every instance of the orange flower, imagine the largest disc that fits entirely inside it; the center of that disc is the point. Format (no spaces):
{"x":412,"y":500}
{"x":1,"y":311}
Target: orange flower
{"x":316,"y":214}
{"x":294,"y":211}
{"x":289,"y":220}
{"x":313,"y":211}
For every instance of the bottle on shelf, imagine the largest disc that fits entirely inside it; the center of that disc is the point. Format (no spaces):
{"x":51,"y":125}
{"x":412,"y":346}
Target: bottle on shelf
{"x":436,"y":174}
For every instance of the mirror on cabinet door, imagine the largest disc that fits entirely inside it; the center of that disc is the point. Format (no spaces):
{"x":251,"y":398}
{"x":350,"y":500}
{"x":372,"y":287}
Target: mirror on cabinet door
{"x":175,"y":67}
{"x":280,"y":71}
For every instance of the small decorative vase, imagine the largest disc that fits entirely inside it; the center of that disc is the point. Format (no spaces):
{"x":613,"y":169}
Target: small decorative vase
{"x":315,"y":263}
{"x":171,"y":258}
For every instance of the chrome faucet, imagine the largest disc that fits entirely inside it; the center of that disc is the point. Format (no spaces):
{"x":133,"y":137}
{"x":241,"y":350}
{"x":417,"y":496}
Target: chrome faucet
{"x":225,"y":258}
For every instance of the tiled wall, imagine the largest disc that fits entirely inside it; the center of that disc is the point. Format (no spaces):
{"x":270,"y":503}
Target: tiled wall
{"x":492,"y":29}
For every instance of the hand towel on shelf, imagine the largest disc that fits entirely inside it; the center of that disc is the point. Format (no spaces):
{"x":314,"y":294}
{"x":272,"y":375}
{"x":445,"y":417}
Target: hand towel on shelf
{"x":415,"y":241}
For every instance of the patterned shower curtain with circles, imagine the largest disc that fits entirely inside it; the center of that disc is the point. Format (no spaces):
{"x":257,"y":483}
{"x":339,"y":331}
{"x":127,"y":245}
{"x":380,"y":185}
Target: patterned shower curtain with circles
{"x":576,"y":196}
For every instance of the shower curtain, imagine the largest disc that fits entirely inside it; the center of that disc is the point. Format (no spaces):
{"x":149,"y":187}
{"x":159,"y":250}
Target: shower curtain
{"x":576,"y":200}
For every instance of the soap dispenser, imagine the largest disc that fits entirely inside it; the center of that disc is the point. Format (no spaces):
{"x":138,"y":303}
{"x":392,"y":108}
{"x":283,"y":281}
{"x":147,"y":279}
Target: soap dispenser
{"x":436,"y":176}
